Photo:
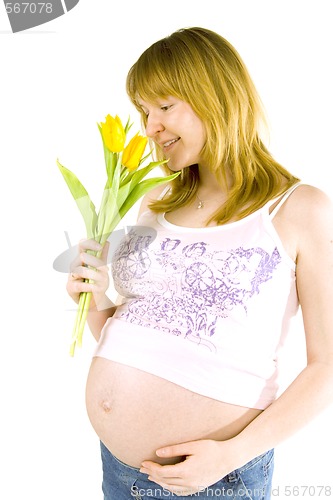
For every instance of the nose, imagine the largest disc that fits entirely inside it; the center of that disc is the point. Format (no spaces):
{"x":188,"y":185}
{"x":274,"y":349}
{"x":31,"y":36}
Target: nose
{"x":153,"y":125}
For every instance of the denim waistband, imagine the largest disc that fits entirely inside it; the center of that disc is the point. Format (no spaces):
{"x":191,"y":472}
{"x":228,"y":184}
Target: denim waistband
{"x":252,"y":481}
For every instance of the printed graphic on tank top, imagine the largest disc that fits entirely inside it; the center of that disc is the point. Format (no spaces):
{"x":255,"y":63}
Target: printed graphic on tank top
{"x":226,"y":293}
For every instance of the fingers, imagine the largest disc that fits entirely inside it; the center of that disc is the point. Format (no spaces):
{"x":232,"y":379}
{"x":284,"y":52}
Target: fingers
{"x":170,"y":477}
{"x":171,"y":472}
{"x":203,"y":466}
{"x":88,"y":271}
{"x":87,"y":255}
{"x":87,"y":259}
{"x":90,"y":244}
{"x":105,"y":252}
{"x":91,"y":269}
{"x":176,"y":450}
{"x":85,"y":279}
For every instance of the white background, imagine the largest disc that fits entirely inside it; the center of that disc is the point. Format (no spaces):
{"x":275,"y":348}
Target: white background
{"x":57,"y":81}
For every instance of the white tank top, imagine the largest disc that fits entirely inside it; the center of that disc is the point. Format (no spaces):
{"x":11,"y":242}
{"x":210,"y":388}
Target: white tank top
{"x":205,"y":308}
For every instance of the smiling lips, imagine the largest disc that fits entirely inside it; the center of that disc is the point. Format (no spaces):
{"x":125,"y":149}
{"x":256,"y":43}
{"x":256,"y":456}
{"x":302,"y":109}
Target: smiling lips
{"x":168,"y":143}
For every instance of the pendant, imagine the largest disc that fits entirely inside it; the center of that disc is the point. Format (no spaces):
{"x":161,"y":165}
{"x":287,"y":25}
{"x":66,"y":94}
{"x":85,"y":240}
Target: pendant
{"x":200,"y":204}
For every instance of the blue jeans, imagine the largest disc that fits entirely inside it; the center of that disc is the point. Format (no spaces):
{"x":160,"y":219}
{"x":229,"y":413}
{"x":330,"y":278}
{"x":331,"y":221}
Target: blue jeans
{"x":253,"y":481}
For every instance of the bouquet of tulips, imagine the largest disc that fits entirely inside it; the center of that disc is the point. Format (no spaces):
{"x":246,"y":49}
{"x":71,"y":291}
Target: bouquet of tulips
{"x":125,"y":185}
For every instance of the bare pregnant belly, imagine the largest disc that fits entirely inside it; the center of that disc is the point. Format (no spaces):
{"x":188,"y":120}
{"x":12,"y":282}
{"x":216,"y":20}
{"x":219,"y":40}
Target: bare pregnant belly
{"x":134,"y":413}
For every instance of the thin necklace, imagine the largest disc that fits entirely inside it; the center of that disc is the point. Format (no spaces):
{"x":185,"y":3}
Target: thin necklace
{"x":201,"y":203}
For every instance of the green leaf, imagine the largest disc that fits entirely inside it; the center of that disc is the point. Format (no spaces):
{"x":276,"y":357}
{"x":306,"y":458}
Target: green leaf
{"x":82,"y":199}
{"x":110,"y":159}
{"x":147,"y":156}
{"x":115,"y":181}
{"x":110,"y":164}
{"x":139,"y":173}
{"x":128,"y":126}
{"x":123,"y":193}
{"x":142,"y":188}
{"x":88,"y":212}
{"x":107,"y":212}
{"x":143,"y":172}
{"x":75,"y":186}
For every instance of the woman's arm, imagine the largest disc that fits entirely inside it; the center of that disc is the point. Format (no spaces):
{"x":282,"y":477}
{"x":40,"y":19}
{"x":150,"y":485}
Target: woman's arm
{"x":89,"y":267}
{"x":312,"y":390}
{"x":96,"y":318}
{"x":311,"y":216}
{"x":86,"y":266}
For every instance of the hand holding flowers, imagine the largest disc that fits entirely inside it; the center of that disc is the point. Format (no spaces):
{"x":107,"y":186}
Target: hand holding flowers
{"x":125,"y":184}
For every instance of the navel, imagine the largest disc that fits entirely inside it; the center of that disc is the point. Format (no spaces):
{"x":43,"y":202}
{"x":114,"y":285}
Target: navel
{"x":106,"y":406}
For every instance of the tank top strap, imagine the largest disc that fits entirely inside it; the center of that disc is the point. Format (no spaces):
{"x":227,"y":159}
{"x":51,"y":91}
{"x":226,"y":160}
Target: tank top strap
{"x":282,"y":199}
{"x":163,"y":193}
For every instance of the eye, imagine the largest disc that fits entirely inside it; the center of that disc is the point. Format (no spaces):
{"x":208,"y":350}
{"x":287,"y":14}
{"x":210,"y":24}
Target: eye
{"x":166,"y":107}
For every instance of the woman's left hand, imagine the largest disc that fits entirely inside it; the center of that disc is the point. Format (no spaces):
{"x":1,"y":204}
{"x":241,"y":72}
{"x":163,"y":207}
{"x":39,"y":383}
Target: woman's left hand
{"x":206,"y":462}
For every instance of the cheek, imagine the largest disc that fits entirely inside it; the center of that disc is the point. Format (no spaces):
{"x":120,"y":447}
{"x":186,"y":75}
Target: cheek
{"x":199,"y":133}
{"x":198,"y":140}
{"x":203,"y":134}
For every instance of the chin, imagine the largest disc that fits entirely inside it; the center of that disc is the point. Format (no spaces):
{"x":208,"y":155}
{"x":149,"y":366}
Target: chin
{"x":179,"y":167}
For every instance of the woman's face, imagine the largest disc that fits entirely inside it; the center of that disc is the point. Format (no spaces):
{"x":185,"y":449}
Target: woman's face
{"x":176,"y":130}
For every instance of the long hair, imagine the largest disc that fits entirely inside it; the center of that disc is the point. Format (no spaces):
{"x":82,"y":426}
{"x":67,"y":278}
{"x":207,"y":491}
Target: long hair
{"x":203,"y":69}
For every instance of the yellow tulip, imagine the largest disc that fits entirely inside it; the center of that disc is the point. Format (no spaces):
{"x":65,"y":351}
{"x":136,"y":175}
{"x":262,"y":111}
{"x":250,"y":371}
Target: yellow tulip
{"x":133,"y":152}
{"x":113,"y":134}
{"x":126,"y":183}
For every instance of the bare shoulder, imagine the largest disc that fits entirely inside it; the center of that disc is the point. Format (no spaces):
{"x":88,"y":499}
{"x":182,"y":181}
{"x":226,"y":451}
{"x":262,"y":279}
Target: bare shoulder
{"x":153,"y":195}
{"x":310,"y":193}
{"x":307,"y":216}
{"x":310,"y":205}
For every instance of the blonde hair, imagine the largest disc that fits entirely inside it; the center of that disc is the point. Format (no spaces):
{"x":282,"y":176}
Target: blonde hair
{"x":203,"y":69}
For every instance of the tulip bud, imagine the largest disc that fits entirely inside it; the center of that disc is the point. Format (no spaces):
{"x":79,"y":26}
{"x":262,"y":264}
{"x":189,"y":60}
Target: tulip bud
{"x":133,"y":152}
{"x":113,"y":134}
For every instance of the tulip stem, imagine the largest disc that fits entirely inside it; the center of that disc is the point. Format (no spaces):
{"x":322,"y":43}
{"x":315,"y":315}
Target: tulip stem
{"x":125,"y":185}
{"x":80,"y":320}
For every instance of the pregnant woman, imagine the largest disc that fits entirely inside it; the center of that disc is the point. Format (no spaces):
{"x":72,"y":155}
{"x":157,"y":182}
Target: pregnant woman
{"x":183,"y":389}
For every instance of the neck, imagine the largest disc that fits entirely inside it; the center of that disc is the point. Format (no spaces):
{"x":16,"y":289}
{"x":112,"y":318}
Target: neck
{"x":208,"y":184}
